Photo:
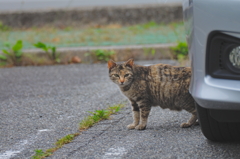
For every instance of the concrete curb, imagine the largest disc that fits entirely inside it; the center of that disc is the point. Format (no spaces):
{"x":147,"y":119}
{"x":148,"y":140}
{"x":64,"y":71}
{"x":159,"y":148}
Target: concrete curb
{"x":123,"y":15}
{"x":122,"y":53}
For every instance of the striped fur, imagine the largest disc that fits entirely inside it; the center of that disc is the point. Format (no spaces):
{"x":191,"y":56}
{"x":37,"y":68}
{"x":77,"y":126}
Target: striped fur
{"x":156,"y":85}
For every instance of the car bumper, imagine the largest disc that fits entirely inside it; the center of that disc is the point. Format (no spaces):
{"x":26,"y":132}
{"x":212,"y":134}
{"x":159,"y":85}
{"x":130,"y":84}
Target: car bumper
{"x":215,"y":93}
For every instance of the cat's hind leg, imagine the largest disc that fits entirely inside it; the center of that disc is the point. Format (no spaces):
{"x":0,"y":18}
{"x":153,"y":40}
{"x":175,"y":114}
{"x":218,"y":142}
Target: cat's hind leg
{"x":191,"y":121}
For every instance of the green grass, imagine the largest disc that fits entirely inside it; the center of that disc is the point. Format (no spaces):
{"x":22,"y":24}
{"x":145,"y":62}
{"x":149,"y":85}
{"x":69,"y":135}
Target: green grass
{"x":180,"y":51}
{"x":98,"y":115}
{"x":39,"y":153}
{"x":149,"y":33}
{"x":101,"y":55}
{"x":12,"y":53}
{"x":88,"y":122}
{"x":4,"y":27}
{"x":55,"y":57}
{"x":65,"y":140}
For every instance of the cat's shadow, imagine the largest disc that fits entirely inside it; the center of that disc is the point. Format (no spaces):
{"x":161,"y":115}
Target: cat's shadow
{"x":170,"y":126}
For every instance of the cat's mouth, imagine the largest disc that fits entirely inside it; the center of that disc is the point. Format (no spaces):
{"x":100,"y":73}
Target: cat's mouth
{"x":121,"y":84}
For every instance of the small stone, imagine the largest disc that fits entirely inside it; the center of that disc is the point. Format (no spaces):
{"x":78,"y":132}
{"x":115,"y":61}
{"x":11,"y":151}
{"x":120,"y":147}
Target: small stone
{"x":76,"y":59}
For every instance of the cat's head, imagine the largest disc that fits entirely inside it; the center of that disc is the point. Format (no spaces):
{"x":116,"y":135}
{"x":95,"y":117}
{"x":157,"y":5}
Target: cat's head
{"x":121,"y":74}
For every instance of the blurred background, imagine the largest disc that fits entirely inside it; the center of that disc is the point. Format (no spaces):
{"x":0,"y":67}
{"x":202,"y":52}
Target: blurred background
{"x":26,"y":5}
{"x":40,"y":32}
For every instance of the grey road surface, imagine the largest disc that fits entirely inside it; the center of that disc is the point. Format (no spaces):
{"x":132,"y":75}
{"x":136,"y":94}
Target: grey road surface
{"x":24,"y":5}
{"x":39,"y":105}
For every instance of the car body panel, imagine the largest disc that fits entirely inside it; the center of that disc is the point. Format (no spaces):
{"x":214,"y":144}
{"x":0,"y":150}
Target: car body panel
{"x":201,"y":18}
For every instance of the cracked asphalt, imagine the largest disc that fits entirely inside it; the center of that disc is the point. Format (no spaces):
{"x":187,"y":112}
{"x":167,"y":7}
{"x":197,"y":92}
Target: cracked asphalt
{"x":39,"y":105}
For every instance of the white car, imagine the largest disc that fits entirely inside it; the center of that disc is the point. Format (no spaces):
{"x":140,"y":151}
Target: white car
{"x":213,"y":35}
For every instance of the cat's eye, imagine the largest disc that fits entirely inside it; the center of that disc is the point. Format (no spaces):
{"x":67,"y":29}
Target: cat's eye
{"x":116,"y":75}
{"x":126,"y":75}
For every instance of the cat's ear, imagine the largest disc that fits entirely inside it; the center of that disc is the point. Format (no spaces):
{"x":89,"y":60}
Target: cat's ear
{"x":129,"y":63}
{"x":111,"y":64}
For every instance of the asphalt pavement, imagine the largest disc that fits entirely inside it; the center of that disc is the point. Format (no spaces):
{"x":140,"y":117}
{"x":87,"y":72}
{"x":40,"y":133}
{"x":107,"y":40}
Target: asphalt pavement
{"x":39,"y":105}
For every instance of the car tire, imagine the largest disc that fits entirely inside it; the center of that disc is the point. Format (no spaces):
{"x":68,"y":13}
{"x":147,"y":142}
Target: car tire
{"x":215,"y":130}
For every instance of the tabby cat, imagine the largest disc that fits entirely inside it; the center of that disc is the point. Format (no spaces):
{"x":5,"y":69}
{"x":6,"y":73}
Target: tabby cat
{"x":156,"y":85}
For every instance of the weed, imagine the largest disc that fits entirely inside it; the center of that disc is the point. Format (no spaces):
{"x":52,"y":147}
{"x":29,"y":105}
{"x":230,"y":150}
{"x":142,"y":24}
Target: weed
{"x":39,"y":154}
{"x":89,"y":121}
{"x":2,"y":57}
{"x":13,"y":53}
{"x":3,"y":64}
{"x":4,"y":27}
{"x":53,"y":55}
{"x":180,"y":51}
{"x":67,"y":29}
{"x":153,"y":51}
{"x":148,"y":51}
{"x":51,"y":150}
{"x":116,"y":108}
{"x":3,"y":60}
{"x":99,"y":115}
{"x":65,"y":140}
{"x":101,"y":55}
{"x":149,"y":25}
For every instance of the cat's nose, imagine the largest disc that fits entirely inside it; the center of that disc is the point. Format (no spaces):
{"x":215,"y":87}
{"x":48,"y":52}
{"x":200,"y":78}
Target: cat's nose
{"x":121,"y":81}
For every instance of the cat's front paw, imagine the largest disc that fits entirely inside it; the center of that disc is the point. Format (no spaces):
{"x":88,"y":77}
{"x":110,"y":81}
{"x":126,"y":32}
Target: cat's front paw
{"x":131,"y":126}
{"x":185,"y":125}
{"x":140,"y":127}
{"x":197,"y":123}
